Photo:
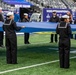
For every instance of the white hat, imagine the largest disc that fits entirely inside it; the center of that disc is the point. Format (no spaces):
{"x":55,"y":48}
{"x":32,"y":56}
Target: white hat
{"x":54,"y":11}
{"x":25,"y":14}
{"x":0,"y":8}
{"x":65,"y":16}
{"x":10,"y":13}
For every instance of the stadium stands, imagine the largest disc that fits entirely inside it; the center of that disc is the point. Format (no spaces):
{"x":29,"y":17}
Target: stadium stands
{"x":6,"y":6}
{"x":70,"y":3}
{"x":50,"y":3}
{"x":62,"y":4}
{"x":57,"y":4}
{"x":46,"y":3}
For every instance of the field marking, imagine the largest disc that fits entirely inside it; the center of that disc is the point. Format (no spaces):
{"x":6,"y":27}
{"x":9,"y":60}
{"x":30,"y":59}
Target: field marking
{"x":27,"y":67}
{"x":57,"y":49}
{"x":34,"y":43}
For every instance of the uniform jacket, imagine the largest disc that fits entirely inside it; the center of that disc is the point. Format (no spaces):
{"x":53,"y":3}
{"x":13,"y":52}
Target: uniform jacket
{"x":25,"y":20}
{"x":54,"y":19}
{"x":64,"y":30}
{"x":10,"y":27}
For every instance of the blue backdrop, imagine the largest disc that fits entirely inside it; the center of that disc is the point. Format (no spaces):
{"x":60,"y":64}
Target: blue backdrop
{"x":47,"y":13}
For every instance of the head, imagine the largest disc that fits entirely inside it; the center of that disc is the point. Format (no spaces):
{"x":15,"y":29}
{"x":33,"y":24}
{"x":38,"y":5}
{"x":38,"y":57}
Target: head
{"x":65,"y":18}
{"x":26,"y":15}
{"x":10,"y":15}
{"x":68,"y":13}
{"x":0,"y":10}
{"x":54,"y":13}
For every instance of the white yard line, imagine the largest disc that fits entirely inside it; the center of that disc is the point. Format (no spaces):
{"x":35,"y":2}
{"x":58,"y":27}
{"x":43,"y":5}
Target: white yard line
{"x":27,"y":67}
{"x":57,"y":49}
{"x":34,"y":43}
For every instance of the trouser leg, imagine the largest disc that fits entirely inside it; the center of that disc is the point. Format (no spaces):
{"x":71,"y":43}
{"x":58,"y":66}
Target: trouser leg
{"x":26,"y":38}
{"x":8,"y":51}
{"x":61,"y":54}
{"x":55,"y":37}
{"x":14,"y":50}
{"x":1,"y":38}
{"x":67,"y":53}
{"x":52,"y":35}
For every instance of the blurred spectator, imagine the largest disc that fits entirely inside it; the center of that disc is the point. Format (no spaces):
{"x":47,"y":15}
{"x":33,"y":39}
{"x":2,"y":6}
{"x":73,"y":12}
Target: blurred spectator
{"x":16,"y":17}
{"x":70,"y":20}
{"x":26,"y":35}
{"x":70,"y":16}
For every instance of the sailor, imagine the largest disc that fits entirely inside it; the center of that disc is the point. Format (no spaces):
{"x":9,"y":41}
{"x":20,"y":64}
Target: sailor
{"x":54,"y":19}
{"x":1,"y":32}
{"x":64,"y":31}
{"x":10,"y":27}
{"x":26,"y":35}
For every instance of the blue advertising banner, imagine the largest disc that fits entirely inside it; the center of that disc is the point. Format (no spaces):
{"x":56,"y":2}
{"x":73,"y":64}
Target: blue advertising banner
{"x":14,"y":0}
{"x":19,"y":3}
{"x":47,"y":13}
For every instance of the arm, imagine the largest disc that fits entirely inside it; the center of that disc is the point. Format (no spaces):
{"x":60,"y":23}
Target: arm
{"x":69,"y":29}
{"x":57,"y":30}
{"x":50,"y":20}
{"x":1,"y":18}
{"x":58,"y":19}
{"x":16,"y":27}
{"x":3,"y":27}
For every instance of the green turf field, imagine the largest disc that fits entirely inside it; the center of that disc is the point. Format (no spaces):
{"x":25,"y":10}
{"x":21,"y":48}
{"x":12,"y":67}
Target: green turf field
{"x":39,"y":51}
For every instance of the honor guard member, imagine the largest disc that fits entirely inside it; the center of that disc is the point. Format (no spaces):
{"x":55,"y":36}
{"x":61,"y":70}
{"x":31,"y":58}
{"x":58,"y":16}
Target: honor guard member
{"x":10,"y":27}
{"x":1,"y":32}
{"x":26,"y":35}
{"x":64,"y":31}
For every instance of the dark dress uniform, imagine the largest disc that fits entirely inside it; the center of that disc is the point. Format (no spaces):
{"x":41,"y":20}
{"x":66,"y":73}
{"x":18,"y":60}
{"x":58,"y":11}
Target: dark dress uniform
{"x":54,"y":19}
{"x":64,"y":31}
{"x":26,"y":35}
{"x":1,"y":32}
{"x":11,"y":40}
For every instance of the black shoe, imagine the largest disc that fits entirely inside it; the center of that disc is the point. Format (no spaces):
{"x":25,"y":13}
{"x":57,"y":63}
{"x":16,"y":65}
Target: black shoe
{"x":66,"y":67}
{"x":2,"y":46}
{"x":9,"y":62}
{"x":61,"y":67}
{"x":14,"y":63}
{"x":27,"y":42}
{"x":51,"y":42}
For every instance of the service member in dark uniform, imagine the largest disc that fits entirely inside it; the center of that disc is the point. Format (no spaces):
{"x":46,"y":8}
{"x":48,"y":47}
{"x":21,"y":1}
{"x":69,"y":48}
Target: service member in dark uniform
{"x":9,"y":27}
{"x":1,"y":32}
{"x":64,"y":31}
{"x":54,"y":19}
{"x":26,"y":35}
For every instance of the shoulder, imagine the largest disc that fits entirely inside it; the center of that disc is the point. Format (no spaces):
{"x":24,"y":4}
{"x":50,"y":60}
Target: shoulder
{"x":57,"y":16}
{"x":23,"y":20}
{"x":60,"y":22}
{"x":13,"y":22}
